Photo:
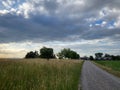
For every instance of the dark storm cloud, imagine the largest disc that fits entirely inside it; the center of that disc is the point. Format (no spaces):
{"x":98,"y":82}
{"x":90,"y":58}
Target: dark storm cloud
{"x":100,"y":34}
{"x":16,"y":28}
{"x":63,"y":21}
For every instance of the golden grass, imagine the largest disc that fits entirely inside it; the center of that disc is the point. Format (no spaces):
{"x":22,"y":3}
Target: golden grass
{"x":39,"y":74}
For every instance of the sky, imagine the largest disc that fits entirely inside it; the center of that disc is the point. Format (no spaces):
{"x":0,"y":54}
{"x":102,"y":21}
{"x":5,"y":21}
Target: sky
{"x":86,"y":26}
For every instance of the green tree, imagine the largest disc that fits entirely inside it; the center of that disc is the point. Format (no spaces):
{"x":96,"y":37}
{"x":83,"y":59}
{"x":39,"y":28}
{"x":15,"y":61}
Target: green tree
{"x":46,"y":53}
{"x":107,"y":55}
{"x":98,"y":55}
{"x":32,"y":54}
{"x":68,"y":53}
{"x":91,"y":58}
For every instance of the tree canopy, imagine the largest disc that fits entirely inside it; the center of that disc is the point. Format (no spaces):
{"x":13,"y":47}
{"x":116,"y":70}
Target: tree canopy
{"x":91,"y":58}
{"x":32,"y":54}
{"x":68,"y":53}
{"x":46,"y":53}
{"x":98,"y":55}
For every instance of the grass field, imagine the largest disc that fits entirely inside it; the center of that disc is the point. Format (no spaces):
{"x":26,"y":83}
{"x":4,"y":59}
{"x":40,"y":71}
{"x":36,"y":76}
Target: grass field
{"x":39,"y":74}
{"x":111,"y":66}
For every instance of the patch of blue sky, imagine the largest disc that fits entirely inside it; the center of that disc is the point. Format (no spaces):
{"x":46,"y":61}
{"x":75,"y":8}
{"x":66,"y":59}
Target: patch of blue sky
{"x":112,"y":22}
{"x":1,"y":6}
{"x":98,"y":22}
{"x":20,"y":2}
{"x":15,"y":5}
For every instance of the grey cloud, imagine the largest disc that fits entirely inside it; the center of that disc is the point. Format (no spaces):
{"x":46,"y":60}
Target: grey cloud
{"x":100,"y":34}
{"x":69,"y":22}
{"x":17,"y":28}
{"x":51,"y":5}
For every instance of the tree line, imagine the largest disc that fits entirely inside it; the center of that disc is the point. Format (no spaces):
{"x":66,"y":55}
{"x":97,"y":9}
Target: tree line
{"x":67,"y":53}
{"x":48,"y":53}
{"x":101,"y":56}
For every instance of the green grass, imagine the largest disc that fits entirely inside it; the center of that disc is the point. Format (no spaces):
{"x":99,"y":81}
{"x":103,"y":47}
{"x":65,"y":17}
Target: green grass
{"x":39,"y":74}
{"x":111,"y":66}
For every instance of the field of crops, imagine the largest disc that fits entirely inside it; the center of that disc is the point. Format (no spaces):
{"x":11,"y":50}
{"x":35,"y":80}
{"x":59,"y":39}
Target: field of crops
{"x":39,"y":74}
{"x":111,"y":66}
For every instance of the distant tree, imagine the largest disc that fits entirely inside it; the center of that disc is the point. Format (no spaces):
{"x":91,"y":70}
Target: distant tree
{"x":107,"y":55}
{"x":60,"y":55}
{"x":47,"y":53}
{"x":68,"y":53}
{"x":36,"y":54}
{"x":91,"y":58}
{"x":115,"y":57}
{"x":32,"y":54}
{"x":98,"y":55}
{"x":118,"y":57}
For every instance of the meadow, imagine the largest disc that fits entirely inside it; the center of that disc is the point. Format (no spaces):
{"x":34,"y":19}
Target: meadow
{"x":37,"y":74}
{"x":110,"y":66}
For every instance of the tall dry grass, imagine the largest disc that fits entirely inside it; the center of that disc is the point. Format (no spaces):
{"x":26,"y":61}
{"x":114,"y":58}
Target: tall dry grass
{"x":39,"y":74}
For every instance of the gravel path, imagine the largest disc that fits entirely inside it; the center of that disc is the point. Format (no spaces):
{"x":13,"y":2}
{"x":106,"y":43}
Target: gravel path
{"x":94,"y":78}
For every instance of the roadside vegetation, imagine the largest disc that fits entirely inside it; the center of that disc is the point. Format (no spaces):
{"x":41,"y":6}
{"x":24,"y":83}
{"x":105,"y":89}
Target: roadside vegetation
{"x":110,"y":66}
{"x":37,"y":74}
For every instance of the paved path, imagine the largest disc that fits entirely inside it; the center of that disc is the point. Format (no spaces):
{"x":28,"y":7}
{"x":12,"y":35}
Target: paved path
{"x":94,"y":78}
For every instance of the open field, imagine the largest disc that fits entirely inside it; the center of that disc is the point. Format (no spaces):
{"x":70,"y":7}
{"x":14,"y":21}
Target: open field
{"x":39,"y":74}
{"x":110,"y":66}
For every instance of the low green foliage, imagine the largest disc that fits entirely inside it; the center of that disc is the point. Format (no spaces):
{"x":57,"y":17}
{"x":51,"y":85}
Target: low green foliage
{"x":110,"y":66}
{"x":39,"y":74}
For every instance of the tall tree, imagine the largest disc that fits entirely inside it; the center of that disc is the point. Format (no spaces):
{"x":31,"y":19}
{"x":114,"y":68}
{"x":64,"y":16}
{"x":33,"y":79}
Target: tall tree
{"x":98,"y":55}
{"x":68,"y":53}
{"x":91,"y":58}
{"x":46,"y":53}
{"x":32,"y":54}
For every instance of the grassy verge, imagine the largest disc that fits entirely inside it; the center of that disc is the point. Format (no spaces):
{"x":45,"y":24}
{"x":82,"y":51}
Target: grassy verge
{"x":39,"y":74}
{"x":110,"y":66}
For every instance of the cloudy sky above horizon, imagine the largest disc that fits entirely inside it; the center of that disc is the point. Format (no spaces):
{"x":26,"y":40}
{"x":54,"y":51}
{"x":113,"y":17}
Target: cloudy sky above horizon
{"x":86,"y":26}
